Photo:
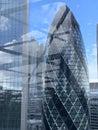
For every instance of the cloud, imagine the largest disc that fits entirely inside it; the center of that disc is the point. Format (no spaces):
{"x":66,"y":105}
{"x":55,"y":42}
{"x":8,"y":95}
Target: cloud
{"x":52,"y":6}
{"x":50,"y":10}
{"x":92,"y":62}
{"x":41,"y":20}
{"x":40,"y":36}
{"x":93,"y":80}
{"x":45,"y":7}
{"x":93,"y":71}
{"x":4,"y":23}
{"x":91,"y":23}
{"x":6,"y":59}
{"x":94,"y":50}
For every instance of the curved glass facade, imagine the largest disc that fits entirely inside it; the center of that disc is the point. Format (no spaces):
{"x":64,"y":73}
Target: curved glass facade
{"x":65,"y":105}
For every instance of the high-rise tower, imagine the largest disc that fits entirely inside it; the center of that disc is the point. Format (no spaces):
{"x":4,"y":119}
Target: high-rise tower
{"x":65,"y":105}
{"x":97,"y":48}
{"x":13,"y":25}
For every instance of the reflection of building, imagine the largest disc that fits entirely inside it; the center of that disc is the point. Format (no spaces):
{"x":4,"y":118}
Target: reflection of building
{"x":13,"y":20}
{"x":94,"y":106}
{"x":19,"y":68}
{"x":35,"y":87}
{"x":1,"y":88}
{"x":10,"y":109}
{"x":11,"y":82}
{"x":18,"y":73}
{"x":13,"y":24}
{"x":65,"y":100}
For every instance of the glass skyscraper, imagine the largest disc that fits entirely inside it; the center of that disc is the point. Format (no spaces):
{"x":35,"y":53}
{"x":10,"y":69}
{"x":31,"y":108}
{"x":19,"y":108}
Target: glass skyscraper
{"x":13,"y":25}
{"x":65,"y":102}
{"x":41,"y":89}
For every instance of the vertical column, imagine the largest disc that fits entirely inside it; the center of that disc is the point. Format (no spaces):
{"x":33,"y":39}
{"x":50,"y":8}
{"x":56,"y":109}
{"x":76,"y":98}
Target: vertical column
{"x":97,"y":48}
{"x":25,"y":68}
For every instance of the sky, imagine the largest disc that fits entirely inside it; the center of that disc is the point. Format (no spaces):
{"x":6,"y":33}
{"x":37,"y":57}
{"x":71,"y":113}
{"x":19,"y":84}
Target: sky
{"x":42,"y":12}
{"x":40,"y":16}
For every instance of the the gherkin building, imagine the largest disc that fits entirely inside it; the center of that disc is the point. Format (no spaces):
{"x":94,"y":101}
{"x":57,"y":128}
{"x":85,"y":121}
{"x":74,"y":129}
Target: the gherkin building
{"x":65,"y":104}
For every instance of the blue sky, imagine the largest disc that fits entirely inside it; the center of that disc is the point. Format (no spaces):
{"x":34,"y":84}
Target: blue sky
{"x":42,"y":13}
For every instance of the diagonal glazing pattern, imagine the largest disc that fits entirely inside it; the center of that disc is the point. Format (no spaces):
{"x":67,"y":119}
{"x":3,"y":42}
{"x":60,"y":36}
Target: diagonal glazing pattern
{"x":65,"y":105}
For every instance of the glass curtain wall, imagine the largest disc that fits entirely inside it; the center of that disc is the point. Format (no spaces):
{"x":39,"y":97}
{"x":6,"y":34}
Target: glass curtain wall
{"x":27,"y":70}
{"x":13,"y":25}
{"x":94,"y":105}
{"x":65,"y":105}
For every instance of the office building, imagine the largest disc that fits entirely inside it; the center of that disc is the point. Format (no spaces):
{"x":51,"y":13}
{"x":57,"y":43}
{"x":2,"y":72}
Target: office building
{"x":10,"y":109}
{"x":23,"y":74}
{"x":34,"y":114}
{"x":65,"y":105}
{"x":11,"y":81}
{"x":97,"y":46}
{"x":13,"y":25}
{"x":94,"y":106}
